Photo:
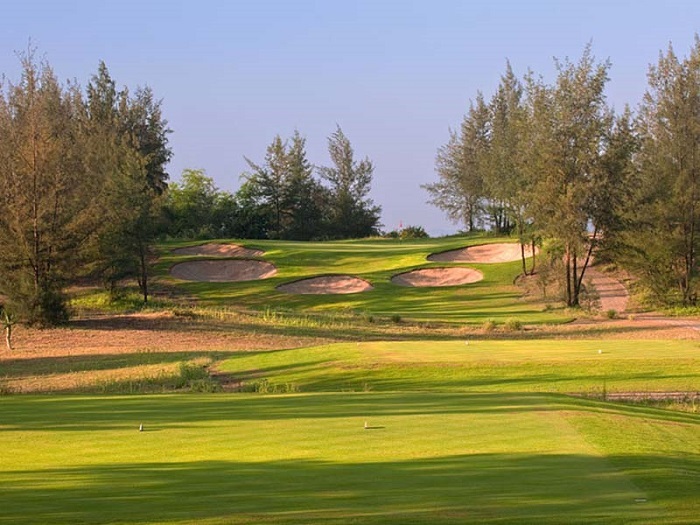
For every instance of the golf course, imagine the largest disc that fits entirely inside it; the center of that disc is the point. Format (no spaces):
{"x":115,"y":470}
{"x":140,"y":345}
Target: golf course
{"x":233,"y":400}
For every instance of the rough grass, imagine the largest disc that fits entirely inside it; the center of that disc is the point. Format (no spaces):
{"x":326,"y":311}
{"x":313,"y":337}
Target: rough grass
{"x":425,"y":458}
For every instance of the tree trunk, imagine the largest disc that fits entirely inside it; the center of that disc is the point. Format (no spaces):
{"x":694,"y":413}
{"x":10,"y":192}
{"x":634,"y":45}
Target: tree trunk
{"x":143,"y":279}
{"x":588,"y":256}
{"x":8,"y":336}
{"x":574,"y":272}
{"x":690,"y":264}
{"x":534,"y":260}
{"x":522,"y":246}
{"x":569,"y":295}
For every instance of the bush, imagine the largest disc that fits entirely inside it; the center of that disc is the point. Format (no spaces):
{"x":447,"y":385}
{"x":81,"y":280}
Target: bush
{"x":196,"y":378}
{"x":611,"y":314}
{"x":513,"y":324}
{"x":396,"y":318}
{"x":413,"y":232}
{"x":489,"y":325}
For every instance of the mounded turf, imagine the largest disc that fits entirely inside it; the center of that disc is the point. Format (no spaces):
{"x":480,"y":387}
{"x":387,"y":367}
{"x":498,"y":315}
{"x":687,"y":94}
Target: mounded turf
{"x":569,"y":366}
{"x":376,"y":261}
{"x":426,"y":458}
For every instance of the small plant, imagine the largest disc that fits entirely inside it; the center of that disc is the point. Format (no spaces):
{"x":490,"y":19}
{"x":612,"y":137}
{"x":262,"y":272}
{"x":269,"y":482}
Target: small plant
{"x":396,"y":318}
{"x":513,"y":325}
{"x":187,"y":313}
{"x":611,"y":314}
{"x":489,"y":325}
{"x":196,"y":378}
{"x":263,"y":386}
{"x":589,"y":298}
{"x":7,"y":320}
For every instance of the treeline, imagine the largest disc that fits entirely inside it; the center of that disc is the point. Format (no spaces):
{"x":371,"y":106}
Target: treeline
{"x":82,"y":185}
{"x":554,"y":165}
{"x":281,"y":198}
{"x":84,"y":191}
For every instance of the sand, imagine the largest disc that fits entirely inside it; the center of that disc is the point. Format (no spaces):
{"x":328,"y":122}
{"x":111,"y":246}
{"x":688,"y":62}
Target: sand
{"x":483,"y":253}
{"x":223,"y":271}
{"x":438,"y":277}
{"x":327,"y":284}
{"x":221,"y":250}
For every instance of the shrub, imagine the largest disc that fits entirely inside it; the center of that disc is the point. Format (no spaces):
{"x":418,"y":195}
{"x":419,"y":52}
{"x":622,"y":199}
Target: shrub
{"x":611,"y":314}
{"x":489,"y":325}
{"x":396,"y":318}
{"x":413,"y":232}
{"x":513,"y":324}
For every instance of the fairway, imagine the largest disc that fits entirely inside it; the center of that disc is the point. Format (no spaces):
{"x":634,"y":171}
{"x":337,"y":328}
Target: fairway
{"x":426,"y":458}
{"x":567,"y":366}
{"x":376,"y":261}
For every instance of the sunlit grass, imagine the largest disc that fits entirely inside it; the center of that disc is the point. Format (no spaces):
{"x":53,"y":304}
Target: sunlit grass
{"x":375,"y":260}
{"x":583,"y":366}
{"x":425,"y":458}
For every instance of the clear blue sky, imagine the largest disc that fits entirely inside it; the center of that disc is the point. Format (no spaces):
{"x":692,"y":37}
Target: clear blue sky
{"x":395,"y":75}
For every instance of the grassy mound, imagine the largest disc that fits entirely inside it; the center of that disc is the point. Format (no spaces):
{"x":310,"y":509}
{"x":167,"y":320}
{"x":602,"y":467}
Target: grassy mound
{"x":591,"y":367}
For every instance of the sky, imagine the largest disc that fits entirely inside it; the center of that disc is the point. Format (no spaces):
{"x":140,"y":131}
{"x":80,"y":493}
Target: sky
{"x":395,"y":75}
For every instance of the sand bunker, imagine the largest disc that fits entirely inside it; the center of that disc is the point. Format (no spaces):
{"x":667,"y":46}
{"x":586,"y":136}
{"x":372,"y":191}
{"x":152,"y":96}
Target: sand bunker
{"x":221,"y":250}
{"x":484,"y":253}
{"x":327,"y":284}
{"x":438,"y":277}
{"x":223,"y":271}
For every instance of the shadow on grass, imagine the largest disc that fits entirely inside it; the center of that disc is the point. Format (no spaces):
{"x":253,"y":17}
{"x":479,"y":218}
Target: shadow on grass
{"x":469,"y":488}
{"x":83,"y":413}
{"x":37,"y":366}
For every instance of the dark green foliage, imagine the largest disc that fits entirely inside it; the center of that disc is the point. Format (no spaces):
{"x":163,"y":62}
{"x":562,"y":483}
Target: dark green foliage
{"x":660,"y":242}
{"x":409,"y":232}
{"x":352,"y":214}
{"x":281,"y":199}
{"x":79,"y":179}
{"x":286,"y":193}
{"x":192,"y":205}
{"x":128,"y":147}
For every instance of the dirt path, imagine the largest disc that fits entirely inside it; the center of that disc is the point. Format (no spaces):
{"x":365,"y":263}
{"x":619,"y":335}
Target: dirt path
{"x":613,"y":294}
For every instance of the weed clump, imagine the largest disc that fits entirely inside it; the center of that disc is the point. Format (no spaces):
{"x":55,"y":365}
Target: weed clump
{"x":195,"y":378}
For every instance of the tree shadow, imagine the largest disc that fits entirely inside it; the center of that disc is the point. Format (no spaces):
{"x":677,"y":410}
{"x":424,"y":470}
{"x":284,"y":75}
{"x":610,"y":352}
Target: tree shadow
{"x":468,"y":488}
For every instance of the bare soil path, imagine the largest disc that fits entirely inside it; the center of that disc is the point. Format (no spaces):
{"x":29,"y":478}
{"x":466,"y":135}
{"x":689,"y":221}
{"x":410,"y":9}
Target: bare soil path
{"x":613,"y":294}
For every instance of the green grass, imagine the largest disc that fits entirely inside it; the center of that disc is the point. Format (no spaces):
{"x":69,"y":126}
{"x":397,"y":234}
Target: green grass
{"x":427,"y":458}
{"x":473,"y":365}
{"x":460,"y":431}
{"x":375,"y":260}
